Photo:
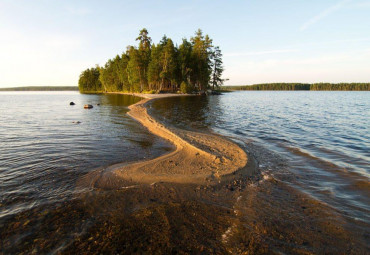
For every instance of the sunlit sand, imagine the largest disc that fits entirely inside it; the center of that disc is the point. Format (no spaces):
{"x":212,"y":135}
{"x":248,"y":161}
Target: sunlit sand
{"x":198,"y":157}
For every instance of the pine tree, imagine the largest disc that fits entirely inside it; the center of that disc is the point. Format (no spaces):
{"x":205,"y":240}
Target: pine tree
{"x":144,"y":56}
{"x":185,"y":60}
{"x":122,"y":72}
{"x":201,"y":53}
{"x":154,"y":67}
{"x":217,"y":69}
{"x":89,"y":80}
{"x":134,"y":70}
{"x":168,"y":63}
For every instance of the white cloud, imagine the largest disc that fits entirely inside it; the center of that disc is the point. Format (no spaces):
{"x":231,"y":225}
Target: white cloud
{"x":324,"y":14}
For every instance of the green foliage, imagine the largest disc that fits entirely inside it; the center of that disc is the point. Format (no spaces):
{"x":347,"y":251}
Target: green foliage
{"x":133,"y":70}
{"x":111,"y":75}
{"x":217,"y":69}
{"x":154,"y":68}
{"x":303,"y":86}
{"x":185,"y":60}
{"x":201,"y":54}
{"x":161,"y":67}
{"x":143,"y":57}
{"x":168,"y":66}
{"x":89,"y":80}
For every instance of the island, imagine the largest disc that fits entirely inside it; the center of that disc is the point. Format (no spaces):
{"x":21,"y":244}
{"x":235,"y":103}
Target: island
{"x":193,"y":66}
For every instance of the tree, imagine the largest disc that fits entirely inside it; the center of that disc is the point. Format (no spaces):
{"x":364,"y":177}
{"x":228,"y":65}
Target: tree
{"x":185,"y":60}
{"x":201,"y":53}
{"x":216,"y":80}
{"x":122,"y":72}
{"x":111,"y":75}
{"x":168,"y":65}
{"x":154,"y":67}
{"x":134,"y":70}
{"x":89,"y":80}
{"x":144,"y":56}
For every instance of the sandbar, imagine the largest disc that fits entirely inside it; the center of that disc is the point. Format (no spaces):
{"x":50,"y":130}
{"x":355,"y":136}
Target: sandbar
{"x":199,"y":158}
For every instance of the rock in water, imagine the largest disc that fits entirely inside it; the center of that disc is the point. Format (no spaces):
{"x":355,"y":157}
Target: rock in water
{"x":71,"y":103}
{"x":88,"y":106}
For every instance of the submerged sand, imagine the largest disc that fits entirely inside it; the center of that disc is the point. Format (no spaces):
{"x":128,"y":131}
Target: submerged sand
{"x":197,"y":158}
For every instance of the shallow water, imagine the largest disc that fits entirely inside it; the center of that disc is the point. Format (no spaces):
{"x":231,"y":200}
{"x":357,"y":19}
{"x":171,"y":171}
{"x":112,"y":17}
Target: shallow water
{"x":316,"y":143}
{"x":302,"y":201}
{"x":46,"y":144}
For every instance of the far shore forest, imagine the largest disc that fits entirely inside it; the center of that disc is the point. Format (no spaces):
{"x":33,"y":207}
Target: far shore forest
{"x":194,"y":65}
{"x":303,"y":86}
{"x":41,"y":88}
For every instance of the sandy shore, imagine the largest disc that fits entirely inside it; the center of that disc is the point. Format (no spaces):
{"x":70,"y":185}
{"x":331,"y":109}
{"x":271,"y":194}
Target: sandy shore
{"x":198,"y":157}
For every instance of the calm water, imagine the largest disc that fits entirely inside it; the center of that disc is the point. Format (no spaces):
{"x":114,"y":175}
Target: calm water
{"x":311,"y":195}
{"x":320,"y":140}
{"x":46,"y":144}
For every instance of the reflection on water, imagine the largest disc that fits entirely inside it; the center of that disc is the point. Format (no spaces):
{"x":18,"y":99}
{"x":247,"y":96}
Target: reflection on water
{"x":185,"y":112}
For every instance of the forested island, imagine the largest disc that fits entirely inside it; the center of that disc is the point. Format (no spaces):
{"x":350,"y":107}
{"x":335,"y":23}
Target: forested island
{"x":194,"y":65}
{"x":42,"y":88}
{"x":303,"y":86}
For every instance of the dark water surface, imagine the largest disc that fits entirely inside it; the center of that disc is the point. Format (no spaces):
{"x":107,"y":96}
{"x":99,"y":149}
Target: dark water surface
{"x":310,"y":193}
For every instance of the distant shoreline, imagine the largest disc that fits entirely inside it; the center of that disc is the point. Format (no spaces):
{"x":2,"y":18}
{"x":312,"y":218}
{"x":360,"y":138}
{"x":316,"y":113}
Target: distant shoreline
{"x":282,"y":86}
{"x":42,"y":88}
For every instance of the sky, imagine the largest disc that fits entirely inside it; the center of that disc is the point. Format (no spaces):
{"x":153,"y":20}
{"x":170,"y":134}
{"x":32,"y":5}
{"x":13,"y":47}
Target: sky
{"x":50,"y":42}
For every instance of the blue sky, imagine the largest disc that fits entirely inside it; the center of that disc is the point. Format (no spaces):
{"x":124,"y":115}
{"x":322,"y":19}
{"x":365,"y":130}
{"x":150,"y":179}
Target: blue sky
{"x":49,"y":42}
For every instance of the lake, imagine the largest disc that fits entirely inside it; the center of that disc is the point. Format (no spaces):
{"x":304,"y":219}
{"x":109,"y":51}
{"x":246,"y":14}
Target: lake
{"x":311,"y":150}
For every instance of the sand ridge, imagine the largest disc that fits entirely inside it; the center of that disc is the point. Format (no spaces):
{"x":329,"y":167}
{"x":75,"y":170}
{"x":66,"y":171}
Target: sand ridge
{"x":198,"y":157}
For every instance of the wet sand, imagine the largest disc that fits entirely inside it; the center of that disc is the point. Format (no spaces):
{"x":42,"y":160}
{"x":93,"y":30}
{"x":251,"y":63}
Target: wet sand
{"x":198,"y":158}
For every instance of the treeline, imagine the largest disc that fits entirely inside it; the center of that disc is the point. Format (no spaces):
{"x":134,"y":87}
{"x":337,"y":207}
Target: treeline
{"x":303,"y":86}
{"x":41,"y":88}
{"x":341,"y":86}
{"x":194,"y":65}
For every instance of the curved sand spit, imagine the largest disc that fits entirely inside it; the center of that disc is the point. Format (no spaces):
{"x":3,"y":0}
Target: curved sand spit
{"x":197,"y":158}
